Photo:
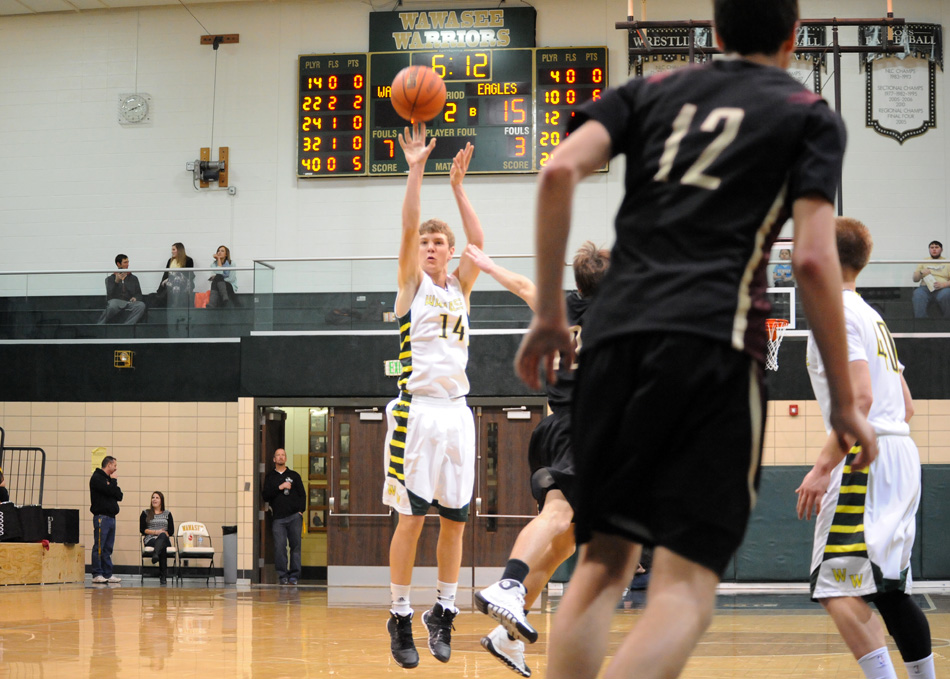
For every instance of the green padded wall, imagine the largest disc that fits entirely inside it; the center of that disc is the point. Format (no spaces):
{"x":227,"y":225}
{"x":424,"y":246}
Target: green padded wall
{"x":932,"y":522}
{"x":777,"y":546}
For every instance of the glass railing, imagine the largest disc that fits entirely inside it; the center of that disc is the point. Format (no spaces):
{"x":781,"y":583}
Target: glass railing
{"x":887,"y":285}
{"x":72,"y":305}
{"x":357,"y":294}
{"x":350,"y":295}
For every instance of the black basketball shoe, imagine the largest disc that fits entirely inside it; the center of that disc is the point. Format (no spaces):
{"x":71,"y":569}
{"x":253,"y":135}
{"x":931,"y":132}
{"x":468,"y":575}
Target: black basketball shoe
{"x":439,"y":621}
{"x":400,"y":640}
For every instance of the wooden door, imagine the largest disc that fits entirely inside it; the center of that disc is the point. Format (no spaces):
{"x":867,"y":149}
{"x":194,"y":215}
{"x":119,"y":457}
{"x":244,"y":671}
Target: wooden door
{"x":503,"y":502}
{"x":359,"y":525}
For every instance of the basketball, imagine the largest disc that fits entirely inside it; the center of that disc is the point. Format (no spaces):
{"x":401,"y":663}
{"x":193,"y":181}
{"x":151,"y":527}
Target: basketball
{"x":418,"y":93}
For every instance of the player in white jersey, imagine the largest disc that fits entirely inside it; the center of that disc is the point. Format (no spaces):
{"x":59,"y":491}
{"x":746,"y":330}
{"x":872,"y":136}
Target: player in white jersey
{"x":865,"y":519}
{"x":430,"y":445}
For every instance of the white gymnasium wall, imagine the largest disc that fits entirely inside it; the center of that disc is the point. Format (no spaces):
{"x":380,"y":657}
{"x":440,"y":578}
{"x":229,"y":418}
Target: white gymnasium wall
{"x":76,"y":187}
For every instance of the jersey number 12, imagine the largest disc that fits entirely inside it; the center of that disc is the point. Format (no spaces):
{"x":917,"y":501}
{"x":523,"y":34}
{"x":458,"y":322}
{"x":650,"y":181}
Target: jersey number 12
{"x":694,"y":175}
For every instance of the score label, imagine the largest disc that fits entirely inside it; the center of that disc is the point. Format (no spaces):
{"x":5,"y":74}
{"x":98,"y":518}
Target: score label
{"x":332,"y":115}
{"x":565,"y":79}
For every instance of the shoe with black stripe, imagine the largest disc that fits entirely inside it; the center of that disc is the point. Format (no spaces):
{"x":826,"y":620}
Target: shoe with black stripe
{"x":504,"y":602}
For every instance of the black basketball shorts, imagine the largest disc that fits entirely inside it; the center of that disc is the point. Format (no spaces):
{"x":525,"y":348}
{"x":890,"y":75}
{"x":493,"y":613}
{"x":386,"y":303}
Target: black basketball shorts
{"x":551,"y":458}
{"x":667,"y":439}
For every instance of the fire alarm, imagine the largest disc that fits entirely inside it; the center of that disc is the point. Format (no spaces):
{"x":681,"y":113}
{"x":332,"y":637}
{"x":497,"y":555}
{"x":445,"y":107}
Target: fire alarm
{"x":793,"y":410}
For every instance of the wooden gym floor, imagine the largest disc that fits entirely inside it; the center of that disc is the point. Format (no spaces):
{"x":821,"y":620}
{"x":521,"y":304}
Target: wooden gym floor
{"x":129,"y":630}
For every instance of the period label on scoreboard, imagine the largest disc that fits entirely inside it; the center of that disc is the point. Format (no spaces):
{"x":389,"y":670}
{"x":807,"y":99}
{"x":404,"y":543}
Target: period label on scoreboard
{"x":512,"y":104}
{"x":332,"y":115}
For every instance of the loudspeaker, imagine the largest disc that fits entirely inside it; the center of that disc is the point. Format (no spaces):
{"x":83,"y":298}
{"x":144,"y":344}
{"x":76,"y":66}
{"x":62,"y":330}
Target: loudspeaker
{"x":10,"y":528}
{"x":62,"y":525}
{"x":33,"y":523}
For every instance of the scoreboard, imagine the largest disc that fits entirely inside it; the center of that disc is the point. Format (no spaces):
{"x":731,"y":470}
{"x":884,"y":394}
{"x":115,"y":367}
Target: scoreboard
{"x":512,"y":104}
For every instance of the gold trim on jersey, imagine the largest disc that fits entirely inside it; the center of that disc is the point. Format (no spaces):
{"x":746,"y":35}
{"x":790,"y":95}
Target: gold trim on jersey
{"x":740,"y":322}
{"x":405,"y":348}
{"x":846,"y":534}
{"x":397,"y":444}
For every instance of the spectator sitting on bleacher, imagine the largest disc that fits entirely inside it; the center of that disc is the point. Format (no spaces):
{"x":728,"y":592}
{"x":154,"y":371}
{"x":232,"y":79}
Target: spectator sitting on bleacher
{"x":782,"y":275}
{"x":123,"y":295}
{"x":223,"y":284}
{"x":934,"y":282}
{"x":177,"y":288}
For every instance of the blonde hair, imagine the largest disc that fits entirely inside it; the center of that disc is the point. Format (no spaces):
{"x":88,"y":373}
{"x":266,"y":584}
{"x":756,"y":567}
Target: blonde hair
{"x":181,"y":257}
{"x":437,"y":226}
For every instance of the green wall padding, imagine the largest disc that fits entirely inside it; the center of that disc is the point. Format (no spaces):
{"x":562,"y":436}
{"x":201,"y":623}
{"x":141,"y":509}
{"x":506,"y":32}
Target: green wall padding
{"x":777,"y":546}
{"x":932,"y":524}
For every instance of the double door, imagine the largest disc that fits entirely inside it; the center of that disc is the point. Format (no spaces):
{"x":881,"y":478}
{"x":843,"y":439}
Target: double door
{"x":360,"y":526}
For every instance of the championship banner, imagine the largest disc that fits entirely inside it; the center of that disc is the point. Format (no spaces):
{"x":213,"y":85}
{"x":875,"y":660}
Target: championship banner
{"x":807,"y":67}
{"x":661,"y":38}
{"x":901,"y":89}
{"x":449,"y":29}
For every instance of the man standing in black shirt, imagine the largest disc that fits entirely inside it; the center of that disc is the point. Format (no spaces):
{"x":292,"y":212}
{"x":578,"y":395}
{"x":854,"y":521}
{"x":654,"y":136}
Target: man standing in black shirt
{"x":283,"y":489}
{"x":104,"y":498}
{"x":669,"y":403}
{"x":123,"y":295}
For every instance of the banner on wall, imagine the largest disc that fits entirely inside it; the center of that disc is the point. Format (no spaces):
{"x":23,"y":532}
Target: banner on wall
{"x":660,"y":38}
{"x":901,"y":89}
{"x":807,"y":67}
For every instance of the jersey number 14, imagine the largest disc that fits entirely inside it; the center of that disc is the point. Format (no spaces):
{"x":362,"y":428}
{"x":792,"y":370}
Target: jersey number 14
{"x":459,"y":328}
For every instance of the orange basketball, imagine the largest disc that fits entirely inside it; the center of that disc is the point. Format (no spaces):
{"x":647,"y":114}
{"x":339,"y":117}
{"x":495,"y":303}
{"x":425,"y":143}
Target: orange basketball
{"x":418,"y":93}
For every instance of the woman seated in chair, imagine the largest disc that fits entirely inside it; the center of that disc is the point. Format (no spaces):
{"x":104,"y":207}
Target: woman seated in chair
{"x":157,"y":525}
{"x":223,"y":284}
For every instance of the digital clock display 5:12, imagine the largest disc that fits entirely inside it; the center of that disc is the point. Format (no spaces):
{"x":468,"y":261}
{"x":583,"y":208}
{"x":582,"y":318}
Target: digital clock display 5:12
{"x":512,"y":104}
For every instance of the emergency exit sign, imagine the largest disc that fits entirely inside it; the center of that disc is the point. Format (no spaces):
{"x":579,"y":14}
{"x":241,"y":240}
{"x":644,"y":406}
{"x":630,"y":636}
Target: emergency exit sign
{"x":392,"y":368}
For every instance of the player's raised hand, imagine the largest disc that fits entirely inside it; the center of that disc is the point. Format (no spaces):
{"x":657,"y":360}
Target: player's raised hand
{"x":460,"y":164}
{"x":545,"y":341}
{"x":413,"y":144}
{"x":479,"y":258}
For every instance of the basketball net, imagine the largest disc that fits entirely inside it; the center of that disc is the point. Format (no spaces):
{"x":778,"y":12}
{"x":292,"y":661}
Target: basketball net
{"x":775,"y":328}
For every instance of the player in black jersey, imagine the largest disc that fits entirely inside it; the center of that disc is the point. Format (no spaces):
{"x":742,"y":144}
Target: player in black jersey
{"x":548,"y":539}
{"x":669,"y":402}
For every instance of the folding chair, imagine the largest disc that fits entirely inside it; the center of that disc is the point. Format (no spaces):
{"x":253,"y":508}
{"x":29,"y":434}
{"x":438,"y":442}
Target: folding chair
{"x":148,"y":551}
{"x":194,"y":542}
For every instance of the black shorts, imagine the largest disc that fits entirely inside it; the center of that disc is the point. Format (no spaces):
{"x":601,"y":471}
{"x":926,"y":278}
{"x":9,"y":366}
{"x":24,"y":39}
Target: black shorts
{"x":551,"y":458}
{"x":667,"y":443}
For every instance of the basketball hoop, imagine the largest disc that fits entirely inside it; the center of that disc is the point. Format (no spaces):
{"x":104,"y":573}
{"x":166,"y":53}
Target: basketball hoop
{"x":775,"y":328}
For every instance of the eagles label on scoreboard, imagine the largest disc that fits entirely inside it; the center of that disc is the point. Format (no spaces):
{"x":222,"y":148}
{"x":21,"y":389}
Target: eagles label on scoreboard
{"x":512,"y":103}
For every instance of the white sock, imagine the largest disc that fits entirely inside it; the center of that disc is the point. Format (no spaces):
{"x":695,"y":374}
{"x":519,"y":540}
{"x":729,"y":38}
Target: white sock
{"x":921,"y":669}
{"x":445,"y":595}
{"x":400,"y":597}
{"x":877,"y":665}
